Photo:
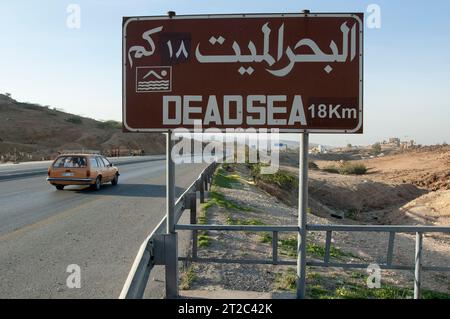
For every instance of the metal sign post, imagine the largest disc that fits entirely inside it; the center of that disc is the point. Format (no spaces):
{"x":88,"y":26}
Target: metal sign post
{"x":170,"y":184}
{"x":171,"y":242}
{"x":302,"y":212}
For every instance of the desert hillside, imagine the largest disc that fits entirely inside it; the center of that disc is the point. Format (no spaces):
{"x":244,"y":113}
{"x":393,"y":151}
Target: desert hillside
{"x":426,"y":167}
{"x":409,"y":187}
{"x":34,"y":132}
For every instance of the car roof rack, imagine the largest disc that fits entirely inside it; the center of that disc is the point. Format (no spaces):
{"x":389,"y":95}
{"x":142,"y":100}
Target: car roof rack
{"x":82,"y":151}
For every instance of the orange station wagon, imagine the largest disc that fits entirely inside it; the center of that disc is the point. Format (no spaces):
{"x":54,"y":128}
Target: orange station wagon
{"x":82,"y":169}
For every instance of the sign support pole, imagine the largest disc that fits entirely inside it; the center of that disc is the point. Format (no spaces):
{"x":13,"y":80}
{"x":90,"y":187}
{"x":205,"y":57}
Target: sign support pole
{"x":170,"y":185}
{"x":302,"y":214}
{"x":171,"y":242}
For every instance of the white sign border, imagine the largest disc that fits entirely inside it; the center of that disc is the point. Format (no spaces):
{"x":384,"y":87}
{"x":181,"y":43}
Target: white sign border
{"x":222,"y":16}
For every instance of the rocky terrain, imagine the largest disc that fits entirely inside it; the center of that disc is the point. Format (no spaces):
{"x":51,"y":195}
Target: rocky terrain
{"x":34,"y":132}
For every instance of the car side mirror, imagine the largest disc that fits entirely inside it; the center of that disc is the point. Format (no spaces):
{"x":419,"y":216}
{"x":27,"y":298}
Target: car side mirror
{"x":110,"y":165}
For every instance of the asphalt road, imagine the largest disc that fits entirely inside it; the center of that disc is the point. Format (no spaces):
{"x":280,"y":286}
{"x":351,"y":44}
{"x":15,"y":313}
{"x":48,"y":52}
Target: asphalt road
{"x":43,"y":230}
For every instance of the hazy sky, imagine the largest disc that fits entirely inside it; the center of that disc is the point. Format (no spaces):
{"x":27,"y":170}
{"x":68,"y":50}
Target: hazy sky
{"x":406,"y":64}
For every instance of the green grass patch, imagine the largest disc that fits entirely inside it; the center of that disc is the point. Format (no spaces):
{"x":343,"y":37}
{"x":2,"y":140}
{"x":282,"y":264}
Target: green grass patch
{"x":202,"y":220}
{"x":352,"y":213}
{"x":353,"y":169}
{"x":357,"y":275}
{"x":314,"y":276}
{"x":187,"y":278}
{"x":317,"y":292}
{"x":74,"y":120}
{"x":251,"y":221}
{"x":215,"y":198}
{"x":30,"y":106}
{"x":288,"y":247}
{"x":286,"y":280}
{"x":237,"y":221}
{"x":353,"y":291}
{"x":266,"y":238}
{"x":224,"y":179}
{"x":203,"y":238}
{"x":430,"y":294}
{"x":319,"y":251}
{"x":110,"y":125}
{"x":218,"y":199}
{"x":347,"y":168}
{"x":331,"y":169}
{"x":283,"y":179}
{"x":327,"y":287}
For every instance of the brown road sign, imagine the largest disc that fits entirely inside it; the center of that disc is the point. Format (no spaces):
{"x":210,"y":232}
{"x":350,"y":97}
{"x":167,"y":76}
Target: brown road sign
{"x":293,"y":72}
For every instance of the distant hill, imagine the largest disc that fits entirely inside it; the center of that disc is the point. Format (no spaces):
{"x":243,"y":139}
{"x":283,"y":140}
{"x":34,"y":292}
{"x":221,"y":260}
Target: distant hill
{"x":33,"y":132}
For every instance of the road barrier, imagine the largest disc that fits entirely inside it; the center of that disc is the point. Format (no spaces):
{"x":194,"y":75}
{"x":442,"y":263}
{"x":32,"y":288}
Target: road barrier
{"x":155,"y":247}
{"x":152,"y":250}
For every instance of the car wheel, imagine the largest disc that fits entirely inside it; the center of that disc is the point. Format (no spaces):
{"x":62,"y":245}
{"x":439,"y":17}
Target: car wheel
{"x":98,"y":183}
{"x":115,"y":179}
{"x":59,"y":187}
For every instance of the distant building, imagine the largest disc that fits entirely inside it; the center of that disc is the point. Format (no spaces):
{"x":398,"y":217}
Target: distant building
{"x":408,"y":144}
{"x":394,"y":141}
{"x":319,"y":149}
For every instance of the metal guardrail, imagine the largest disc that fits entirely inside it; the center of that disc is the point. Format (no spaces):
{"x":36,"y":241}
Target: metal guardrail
{"x":136,"y":282}
{"x":418,"y":266}
{"x":147,"y":257}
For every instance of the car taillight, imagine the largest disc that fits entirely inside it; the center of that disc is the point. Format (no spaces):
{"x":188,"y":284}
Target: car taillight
{"x":88,"y":173}
{"x":48,"y":171}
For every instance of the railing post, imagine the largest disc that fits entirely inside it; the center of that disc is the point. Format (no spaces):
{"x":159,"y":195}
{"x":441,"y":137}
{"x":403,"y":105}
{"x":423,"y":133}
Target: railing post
{"x":326,"y":258}
{"x":390,"y":251}
{"x":418,"y":266}
{"x":193,"y":211}
{"x":275,"y":247}
{"x":205,"y":181}
{"x":202,"y":190}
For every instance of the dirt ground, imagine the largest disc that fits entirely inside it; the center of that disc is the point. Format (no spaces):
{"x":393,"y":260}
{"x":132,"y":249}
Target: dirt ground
{"x":428,"y":168}
{"x":263,"y":208}
{"x":406,"y":188}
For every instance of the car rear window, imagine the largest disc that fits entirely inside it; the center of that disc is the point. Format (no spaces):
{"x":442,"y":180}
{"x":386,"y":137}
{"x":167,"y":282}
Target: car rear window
{"x":70,"y":161}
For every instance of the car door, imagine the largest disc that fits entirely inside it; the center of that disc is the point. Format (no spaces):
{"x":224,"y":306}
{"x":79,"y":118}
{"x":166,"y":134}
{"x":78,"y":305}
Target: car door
{"x":109,"y":168}
{"x":102,"y":170}
{"x":106,"y":171}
